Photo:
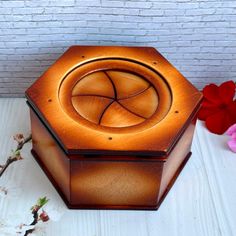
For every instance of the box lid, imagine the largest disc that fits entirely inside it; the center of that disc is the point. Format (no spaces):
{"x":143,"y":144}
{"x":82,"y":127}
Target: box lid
{"x":114,"y":100}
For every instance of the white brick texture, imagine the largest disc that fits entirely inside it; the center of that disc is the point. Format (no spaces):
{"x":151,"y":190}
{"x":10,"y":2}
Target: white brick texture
{"x":197,"y":36}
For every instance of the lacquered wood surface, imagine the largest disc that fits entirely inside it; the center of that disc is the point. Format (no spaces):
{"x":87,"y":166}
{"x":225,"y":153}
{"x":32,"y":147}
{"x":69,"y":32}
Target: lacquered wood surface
{"x":137,"y":102}
{"x":202,"y":201}
{"x":114,"y":98}
{"x":53,"y":157}
{"x":108,"y":182}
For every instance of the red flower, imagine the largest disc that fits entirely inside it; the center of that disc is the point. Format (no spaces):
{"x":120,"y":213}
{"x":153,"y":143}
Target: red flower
{"x":218,"y":108}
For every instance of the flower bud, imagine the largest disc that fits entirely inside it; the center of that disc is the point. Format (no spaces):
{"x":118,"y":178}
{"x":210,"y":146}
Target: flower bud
{"x":35,"y":208}
{"x":19,"y":138}
{"x":44,"y":216}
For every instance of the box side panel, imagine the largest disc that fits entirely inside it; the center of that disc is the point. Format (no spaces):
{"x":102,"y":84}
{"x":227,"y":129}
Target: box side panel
{"x":120,"y":185}
{"x":51,"y":158}
{"x":175,"y":160}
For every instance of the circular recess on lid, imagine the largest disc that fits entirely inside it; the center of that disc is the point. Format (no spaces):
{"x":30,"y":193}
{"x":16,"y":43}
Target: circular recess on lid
{"x":115,"y":95}
{"x":114,"y":98}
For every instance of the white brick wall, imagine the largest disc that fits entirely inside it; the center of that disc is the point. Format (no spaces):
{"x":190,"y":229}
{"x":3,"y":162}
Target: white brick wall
{"x":197,"y":36}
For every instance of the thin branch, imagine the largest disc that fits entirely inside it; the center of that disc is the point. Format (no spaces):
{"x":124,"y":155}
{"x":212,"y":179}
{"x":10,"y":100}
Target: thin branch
{"x":34,"y":222}
{"x":21,"y":145}
{"x":16,"y":155}
{"x":36,"y":217}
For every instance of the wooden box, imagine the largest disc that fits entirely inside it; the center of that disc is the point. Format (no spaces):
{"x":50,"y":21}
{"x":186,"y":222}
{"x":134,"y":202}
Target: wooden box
{"x":112,"y":126}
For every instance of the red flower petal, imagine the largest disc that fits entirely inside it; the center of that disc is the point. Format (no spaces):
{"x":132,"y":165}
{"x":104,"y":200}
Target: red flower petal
{"x":219,"y":122}
{"x":232,"y":110}
{"x":227,"y":91}
{"x":211,"y":93}
{"x":209,"y":104}
{"x":204,"y":112}
{"x":218,"y":108}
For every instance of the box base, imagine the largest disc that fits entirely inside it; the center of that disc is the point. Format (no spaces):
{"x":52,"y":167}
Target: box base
{"x":110,"y":207}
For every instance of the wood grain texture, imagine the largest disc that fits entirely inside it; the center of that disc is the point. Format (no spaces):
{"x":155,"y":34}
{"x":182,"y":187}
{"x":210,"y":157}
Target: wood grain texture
{"x":109,"y":97}
{"x":133,"y":76}
{"x":202,"y":201}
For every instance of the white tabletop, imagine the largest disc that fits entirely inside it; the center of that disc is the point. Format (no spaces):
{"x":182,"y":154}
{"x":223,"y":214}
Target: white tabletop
{"x":201,"y":202}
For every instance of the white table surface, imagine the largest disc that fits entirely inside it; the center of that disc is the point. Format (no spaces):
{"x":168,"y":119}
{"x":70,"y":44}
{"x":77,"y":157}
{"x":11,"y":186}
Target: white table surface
{"x":201,"y":202}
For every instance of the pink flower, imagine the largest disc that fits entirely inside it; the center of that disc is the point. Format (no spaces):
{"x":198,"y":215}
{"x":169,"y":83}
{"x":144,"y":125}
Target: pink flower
{"x":232,"y":142}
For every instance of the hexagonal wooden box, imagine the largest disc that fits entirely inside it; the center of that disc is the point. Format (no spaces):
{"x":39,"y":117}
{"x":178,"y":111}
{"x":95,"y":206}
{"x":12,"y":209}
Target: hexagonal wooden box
{"x":112,"y":126}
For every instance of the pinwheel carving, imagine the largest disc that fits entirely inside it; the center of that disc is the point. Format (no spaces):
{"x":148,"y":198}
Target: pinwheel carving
{"x":114,"y":98}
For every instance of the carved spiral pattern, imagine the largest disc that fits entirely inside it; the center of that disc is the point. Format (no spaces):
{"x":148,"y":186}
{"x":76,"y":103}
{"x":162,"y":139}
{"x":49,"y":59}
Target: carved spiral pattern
{"x":114,"y":98}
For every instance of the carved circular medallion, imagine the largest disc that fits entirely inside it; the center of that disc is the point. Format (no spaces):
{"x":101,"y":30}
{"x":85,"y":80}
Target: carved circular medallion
{"x":114,"y":98}
{"x":113,"y":94}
